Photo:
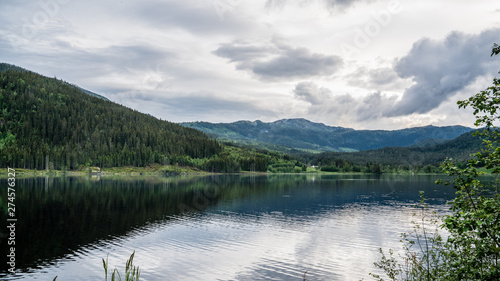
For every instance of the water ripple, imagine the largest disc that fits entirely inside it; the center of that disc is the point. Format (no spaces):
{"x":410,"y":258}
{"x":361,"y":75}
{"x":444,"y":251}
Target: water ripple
{"x":330,"y":230}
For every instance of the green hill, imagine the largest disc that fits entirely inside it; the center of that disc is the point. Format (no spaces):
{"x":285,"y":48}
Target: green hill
{"x":45,"y":118}
{"x":49,"y":123}
{"x":458,"y":149}
{"x":89,"y":92}
{"x":6,"y":66}
{"x":301,"y":134}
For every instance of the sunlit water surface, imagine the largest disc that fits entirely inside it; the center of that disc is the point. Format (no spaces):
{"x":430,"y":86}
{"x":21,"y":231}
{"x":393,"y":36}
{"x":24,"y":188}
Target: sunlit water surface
{"x":215,"y":228}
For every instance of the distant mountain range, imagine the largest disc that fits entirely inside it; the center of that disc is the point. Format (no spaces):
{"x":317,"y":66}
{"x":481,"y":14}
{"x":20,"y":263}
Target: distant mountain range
{"x":302,"y":134}
{"x":47,"y":123}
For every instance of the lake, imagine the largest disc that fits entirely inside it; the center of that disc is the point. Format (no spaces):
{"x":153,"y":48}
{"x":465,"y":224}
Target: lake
{"x":225,"y":227}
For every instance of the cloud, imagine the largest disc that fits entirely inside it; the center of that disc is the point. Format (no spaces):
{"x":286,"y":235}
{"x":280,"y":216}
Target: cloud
{"x":373,"y":106}
{"x":331,"y":4}
{"x":311,"y":93}
{"x":137,"y":56}
{"x":320,"y":104}
{"x":179,"y":106}
{"x":441,"y":68}
{"x":381,"y":78}
{"x":275,"y":61}
{"x":109,"y":69}
{"x":323,"y":102}
{"x":196,"y":17}
{"x":168,"y":48}
{"x":342,"y":4}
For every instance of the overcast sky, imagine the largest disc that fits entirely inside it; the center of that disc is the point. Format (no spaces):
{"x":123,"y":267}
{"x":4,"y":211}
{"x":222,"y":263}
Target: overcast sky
{"x":364,"y":64}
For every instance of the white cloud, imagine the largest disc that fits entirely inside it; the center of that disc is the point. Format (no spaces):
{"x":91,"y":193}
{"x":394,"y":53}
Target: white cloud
{"x":379,"y":78}
{"x":342,"y":107}
{"x":441,"y":68}
{"x":279,"y":61}
{"x":311,"y":93}
{"x":258,"y":59}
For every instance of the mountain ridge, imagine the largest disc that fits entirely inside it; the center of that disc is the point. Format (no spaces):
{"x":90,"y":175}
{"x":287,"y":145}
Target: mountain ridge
{"x":303,"y":134}
{"x":47,"y":123}
{"x":459,"y":149}
{"x":6,"y":67}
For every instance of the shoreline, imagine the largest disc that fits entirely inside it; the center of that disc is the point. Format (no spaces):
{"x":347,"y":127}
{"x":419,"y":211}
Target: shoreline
{"x":167,"y":171}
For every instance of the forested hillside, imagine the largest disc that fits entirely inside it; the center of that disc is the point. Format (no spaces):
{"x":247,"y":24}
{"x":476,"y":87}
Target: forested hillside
{"x":309,"y":136}
{"x":47,"y":119}
{"x":399,"y":158}
{"x":49,"y":123}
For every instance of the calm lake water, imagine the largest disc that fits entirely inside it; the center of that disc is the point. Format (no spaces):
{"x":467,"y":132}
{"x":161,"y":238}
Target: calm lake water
{"x":271,"y":227}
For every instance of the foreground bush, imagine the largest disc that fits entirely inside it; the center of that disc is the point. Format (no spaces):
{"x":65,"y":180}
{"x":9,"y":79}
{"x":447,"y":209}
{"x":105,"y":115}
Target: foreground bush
{"x":472,"y":250}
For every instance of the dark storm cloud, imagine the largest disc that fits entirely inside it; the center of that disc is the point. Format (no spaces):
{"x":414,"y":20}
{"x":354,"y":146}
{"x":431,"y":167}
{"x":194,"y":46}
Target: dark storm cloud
{"x":278,"y":61}
{"x":442,"y":68}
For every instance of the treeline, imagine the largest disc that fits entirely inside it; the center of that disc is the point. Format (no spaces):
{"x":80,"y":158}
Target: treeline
{"x":375,"y":168}
{"x":234,"y":159}
{"x":397,"y":159}
{"x":47,"y":123}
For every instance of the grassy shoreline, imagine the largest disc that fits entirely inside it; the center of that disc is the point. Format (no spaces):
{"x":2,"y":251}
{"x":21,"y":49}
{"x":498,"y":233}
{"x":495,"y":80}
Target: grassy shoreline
{"x":153,"y":170}
{"x":162,"y":171}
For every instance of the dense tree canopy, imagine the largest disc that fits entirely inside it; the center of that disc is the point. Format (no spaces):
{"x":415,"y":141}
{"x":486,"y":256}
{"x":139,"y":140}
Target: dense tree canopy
{"x":48,"y":123}
{"x":43,"y":118}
